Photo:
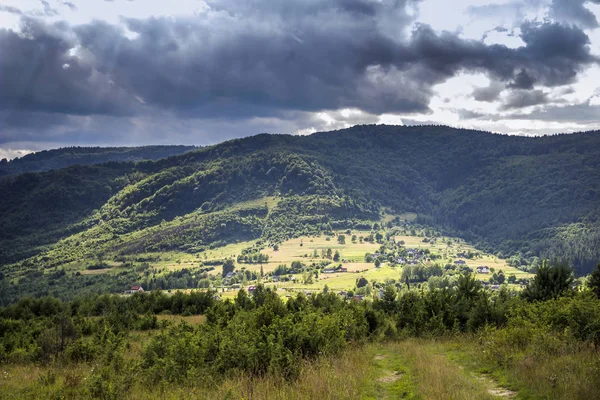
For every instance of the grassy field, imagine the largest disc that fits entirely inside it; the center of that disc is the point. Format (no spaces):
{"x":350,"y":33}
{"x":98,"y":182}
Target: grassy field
{"x":410,"y":369}
{"x":308,"y":250}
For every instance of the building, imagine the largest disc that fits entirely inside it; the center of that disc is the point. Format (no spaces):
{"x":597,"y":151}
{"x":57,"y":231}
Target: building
{"x":135,"y":289}
{"x":483,"y":270}
{"x":460,"y":262}
{"x":251,"y":289}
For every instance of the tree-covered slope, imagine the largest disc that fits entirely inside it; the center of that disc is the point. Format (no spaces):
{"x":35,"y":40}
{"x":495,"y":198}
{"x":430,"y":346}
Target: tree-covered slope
{"x":520,"y":196}
{"x":60,"y":158}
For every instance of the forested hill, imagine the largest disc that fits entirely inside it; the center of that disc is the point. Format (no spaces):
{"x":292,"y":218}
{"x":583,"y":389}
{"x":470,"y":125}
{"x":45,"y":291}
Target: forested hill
{"x":519,"y":196}
{"x":60,"y":158}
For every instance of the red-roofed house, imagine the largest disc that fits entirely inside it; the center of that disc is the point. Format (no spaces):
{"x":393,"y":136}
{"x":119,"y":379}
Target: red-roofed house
{"x":135,"y":289}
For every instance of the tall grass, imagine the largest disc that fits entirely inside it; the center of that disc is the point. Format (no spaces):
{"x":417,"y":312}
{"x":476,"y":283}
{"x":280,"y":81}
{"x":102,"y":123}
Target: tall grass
{"x":340,"y":377}
{"x":435,"y":376}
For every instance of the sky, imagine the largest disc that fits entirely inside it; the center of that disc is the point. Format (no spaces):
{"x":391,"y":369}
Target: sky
{"x":137,"y":72}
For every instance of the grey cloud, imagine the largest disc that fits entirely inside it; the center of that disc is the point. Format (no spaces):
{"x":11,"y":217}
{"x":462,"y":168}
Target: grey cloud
{"x":16,"y":119}
{"x":525,"y":98}
{"x":38,"y":73}
{"x":302,"y":56}
{"x":522,"y":81}
{"x":265,"y":59}
{"x":48,"y":10}
{"x":514,"y":9}
{"x":71,"y":6}
{"x":10,"y":10}
{"x":236,"y":65}
{"x":489,"y":93}
{"x":584,"y":113}
{"x":574,"y":11}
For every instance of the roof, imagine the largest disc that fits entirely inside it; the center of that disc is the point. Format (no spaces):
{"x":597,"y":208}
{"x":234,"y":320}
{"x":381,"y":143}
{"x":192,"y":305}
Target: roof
{"x":136,"y":287}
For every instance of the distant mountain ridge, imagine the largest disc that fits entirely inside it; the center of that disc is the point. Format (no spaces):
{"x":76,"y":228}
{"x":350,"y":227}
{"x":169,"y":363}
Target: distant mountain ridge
{"x":518,"y":197}
{"x":47,"y":160}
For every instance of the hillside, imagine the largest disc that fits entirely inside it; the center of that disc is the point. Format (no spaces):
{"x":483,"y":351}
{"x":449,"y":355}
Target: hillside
{"x":517,"y":197}
{"x":60,"y":158}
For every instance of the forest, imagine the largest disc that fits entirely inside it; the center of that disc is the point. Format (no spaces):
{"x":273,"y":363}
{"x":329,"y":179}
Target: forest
{"x":522,"y":198}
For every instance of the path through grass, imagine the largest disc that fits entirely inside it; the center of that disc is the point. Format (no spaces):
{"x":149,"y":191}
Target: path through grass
{"x":418,"y":369}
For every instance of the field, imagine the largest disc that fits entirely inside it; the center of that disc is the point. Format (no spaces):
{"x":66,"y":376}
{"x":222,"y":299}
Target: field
{"x":409,"y":369}
{"x":310,"y":250}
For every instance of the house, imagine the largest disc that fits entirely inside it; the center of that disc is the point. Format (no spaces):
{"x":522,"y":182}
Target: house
{"x":276,"y":278}
{"x":251,"y":289}
{"x":483,"y":270}
{"x":328,"y":271}
{"x":495,"y":287}
{"x":343,"y":269}
{"x":135,"y":289}
{"x":358,"y":297}
{"x":460,"y":262}
{"x":401,"y":260}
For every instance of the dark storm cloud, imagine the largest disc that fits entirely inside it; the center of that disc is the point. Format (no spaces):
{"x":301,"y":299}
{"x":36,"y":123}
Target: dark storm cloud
{"x":38,"y":73}
{"x":269,"y":58}
{"x":574,"y":11}
{"x":522,"y":81}
{"x":300,"y":55}
{"x":16,"y":119}
{"x":552,"y":56}
{"x":325,"y":59}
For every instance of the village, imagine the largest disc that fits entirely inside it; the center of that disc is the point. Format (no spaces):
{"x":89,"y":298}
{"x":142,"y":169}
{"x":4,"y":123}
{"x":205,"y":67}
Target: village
{"x":357,"y":265}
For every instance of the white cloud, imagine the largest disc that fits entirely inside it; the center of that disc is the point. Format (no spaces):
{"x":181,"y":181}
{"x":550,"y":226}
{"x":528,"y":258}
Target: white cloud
{"x":12,"y":153}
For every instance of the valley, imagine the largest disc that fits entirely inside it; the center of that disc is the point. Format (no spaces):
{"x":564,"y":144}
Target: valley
{"x":365,"y":263}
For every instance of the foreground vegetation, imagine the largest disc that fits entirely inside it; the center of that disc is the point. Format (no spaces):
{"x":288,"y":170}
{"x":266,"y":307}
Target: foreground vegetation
{"x":461,"y":342}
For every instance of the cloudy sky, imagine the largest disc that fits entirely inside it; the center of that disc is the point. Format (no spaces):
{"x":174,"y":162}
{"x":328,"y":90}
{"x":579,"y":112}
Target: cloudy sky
{"x":132,"y":72}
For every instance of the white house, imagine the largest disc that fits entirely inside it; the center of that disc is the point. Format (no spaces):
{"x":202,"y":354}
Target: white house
{"x":135,"y":289}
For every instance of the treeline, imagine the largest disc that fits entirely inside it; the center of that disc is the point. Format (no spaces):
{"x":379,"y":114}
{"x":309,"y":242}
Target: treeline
{"x":47,"y":160}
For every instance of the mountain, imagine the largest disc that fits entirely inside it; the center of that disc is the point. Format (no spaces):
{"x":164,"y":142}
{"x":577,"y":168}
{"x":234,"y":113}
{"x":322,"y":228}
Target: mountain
{"x":518,"y":197}
{"x":60,"y":158}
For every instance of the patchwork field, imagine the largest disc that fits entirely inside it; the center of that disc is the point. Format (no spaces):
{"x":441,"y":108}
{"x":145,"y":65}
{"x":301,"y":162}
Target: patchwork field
{"x":310,"y":250}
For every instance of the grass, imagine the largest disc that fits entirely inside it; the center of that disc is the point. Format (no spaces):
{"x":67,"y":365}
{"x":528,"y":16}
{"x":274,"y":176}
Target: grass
{"x":572,"y":372}
{"x":190,"y":319}
{"x":291,"y":250}
{"x":303,"y":249}
{"x":340,"y":377}
{"x":416,"y":369}
{"x":449,"y":368}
